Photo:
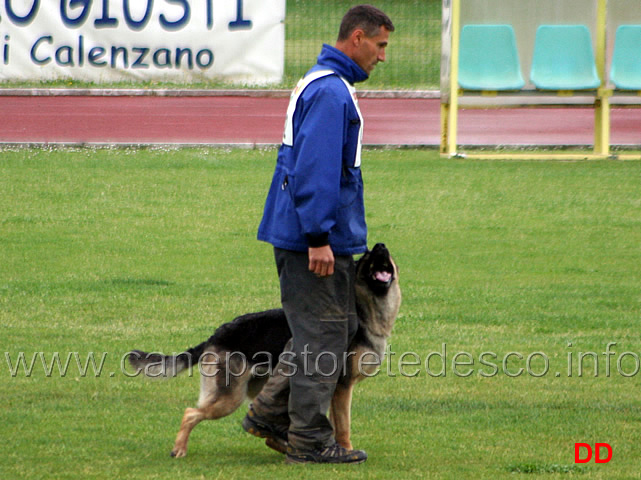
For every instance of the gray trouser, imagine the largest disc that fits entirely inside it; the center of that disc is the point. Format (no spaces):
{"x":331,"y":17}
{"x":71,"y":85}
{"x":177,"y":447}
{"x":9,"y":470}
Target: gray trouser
{"x":321,"y":313}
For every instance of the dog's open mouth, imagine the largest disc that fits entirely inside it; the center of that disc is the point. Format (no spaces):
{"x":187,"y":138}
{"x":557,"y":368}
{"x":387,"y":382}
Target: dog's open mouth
{"x":382,"y":276}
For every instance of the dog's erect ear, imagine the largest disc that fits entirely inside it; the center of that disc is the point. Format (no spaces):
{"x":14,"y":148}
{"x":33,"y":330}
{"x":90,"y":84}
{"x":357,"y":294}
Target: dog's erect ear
{"x":365,"y":253}
{"x":361,"y":261}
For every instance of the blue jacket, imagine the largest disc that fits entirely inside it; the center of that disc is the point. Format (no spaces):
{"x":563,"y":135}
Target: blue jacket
{"x":316,"y":194}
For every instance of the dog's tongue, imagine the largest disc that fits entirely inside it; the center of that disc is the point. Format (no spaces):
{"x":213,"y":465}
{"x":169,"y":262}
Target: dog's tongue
{"x":383,"y":276}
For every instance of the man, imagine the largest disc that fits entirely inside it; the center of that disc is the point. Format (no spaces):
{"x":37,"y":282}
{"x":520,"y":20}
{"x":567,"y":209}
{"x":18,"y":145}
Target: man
{"x":314,"y":217}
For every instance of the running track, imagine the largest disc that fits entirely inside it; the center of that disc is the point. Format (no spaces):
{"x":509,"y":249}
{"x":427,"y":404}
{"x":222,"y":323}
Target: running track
{"x":227,"y":120}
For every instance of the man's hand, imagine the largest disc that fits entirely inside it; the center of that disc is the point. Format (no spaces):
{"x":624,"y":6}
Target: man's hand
{"x":321,"y":260}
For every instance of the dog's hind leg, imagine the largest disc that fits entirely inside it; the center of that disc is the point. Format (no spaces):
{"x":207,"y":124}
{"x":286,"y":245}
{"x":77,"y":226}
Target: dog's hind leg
{"x":191,"y":418}
{"x":219,"y":397}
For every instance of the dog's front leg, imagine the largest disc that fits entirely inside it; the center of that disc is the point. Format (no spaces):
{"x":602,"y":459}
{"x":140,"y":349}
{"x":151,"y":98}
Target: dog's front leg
{"x":341,"y":414}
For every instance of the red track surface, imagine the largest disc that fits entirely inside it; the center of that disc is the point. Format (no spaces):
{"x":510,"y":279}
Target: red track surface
{"x":259,"y":120}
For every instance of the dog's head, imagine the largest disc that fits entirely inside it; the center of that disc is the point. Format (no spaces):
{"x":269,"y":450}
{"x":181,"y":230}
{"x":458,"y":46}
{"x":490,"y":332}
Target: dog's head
{"x":377,"y":271}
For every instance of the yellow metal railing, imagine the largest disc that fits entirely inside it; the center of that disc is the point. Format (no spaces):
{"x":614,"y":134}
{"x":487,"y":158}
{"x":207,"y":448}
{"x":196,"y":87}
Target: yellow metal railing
{"x":450,"y":99}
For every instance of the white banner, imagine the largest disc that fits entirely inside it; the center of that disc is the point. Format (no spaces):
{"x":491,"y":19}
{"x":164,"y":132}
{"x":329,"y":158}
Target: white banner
{"x":115,"y":40}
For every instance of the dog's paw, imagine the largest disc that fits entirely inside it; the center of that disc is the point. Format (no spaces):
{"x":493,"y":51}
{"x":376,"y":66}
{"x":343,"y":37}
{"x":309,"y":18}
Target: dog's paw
{"x":178,"y":453}
{"x":345,"y":443}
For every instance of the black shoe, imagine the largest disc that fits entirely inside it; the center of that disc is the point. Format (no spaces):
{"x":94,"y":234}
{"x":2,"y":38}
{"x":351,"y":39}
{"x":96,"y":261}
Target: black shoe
{"x":332,"y":454}
{"x":275,"y":435}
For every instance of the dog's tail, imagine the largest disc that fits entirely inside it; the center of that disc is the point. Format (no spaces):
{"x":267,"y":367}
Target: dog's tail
{"x":157,"y":365}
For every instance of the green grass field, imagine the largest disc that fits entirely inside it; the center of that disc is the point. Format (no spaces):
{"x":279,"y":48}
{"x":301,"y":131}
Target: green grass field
{"x":537,"y":263}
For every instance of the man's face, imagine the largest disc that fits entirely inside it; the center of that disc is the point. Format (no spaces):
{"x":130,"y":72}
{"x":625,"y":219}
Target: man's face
{"x":371,"y":50}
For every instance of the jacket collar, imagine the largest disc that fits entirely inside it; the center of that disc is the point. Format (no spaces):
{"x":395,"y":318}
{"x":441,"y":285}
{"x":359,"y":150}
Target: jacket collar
{"x":331,"y":57}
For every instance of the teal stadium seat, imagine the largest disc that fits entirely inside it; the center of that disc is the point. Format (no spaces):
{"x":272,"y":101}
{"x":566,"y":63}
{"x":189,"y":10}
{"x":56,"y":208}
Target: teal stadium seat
{"x":564,"y":59}
{"x":488,"y":58}
{"x":625,"y":72}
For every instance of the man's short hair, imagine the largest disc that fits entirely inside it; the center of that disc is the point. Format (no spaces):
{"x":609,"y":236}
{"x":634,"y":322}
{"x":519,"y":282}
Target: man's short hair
{"x":370,"y":19}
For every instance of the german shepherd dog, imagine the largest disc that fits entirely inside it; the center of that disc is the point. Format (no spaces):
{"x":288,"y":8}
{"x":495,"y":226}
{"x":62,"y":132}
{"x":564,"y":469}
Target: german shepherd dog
{"x":235,"y":361}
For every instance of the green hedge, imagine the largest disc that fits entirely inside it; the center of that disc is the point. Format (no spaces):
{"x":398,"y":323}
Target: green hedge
{"x":413,"y":55}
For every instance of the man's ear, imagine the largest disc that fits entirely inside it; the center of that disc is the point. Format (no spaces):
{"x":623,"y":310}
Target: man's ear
{"x":357,"y":37}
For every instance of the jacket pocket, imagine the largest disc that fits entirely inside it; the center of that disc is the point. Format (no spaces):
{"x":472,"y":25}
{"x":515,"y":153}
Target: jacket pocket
{"x":351,"y":187}
{"x":352,"y":141}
